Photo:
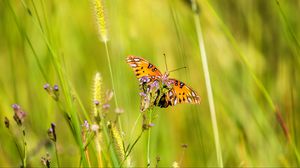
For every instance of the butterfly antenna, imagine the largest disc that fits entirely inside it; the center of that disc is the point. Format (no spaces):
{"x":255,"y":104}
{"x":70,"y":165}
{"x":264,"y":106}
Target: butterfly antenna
{"x":178,"y":69}
{"x":166,"y":62}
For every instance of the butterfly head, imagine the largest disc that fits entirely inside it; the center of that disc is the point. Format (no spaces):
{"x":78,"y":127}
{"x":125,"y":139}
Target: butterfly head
{"x":165,"y":75}
{"x":165,"y":79}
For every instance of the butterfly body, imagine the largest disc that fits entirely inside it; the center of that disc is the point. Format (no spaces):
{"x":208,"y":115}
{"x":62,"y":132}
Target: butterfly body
{"x":157,"y":88}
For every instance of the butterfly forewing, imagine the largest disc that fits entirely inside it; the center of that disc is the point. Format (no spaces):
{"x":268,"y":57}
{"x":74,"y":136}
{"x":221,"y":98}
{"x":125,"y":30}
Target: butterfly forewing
{"x":181,"y":93}
{"x":142,"y":67}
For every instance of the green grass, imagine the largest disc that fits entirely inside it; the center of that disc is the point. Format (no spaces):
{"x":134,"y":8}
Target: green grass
{"x":252,"y":50}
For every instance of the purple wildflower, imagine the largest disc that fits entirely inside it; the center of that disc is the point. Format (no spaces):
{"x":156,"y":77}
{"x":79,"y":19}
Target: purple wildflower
{"x":106,"y":106}
{"x":52,"y":132}
{"x":19,"y":115}
{"x":47,"y":86}
{"x":96,"y":102}
{"x":56,"y":92}
{"x":52,"y":91}
{"x":55,"y":87}
{"x":86,"y":125}
{"x":15,"y":107}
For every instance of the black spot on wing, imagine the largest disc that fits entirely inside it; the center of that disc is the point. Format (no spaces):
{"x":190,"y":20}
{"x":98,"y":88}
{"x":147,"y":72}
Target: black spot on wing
{"x":154,"y":69}
{"x":150,"y":65}
{"x":181,"y":85}
{"x":176,"y":83}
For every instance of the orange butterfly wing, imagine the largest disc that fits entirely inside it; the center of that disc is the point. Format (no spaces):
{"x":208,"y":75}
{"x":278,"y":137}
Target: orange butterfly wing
{"x":181,"y":93}
{"x":142,"y":67}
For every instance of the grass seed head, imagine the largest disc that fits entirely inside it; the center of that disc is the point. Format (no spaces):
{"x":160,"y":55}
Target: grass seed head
{"x":175,"y":165}
{"x":118,"y":143}
{"x":99,"y":14}
{"x":97,"y":94}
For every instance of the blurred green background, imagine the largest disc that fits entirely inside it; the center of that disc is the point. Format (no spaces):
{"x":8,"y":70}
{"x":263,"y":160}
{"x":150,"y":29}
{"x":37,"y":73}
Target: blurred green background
{"x":266,"y":34}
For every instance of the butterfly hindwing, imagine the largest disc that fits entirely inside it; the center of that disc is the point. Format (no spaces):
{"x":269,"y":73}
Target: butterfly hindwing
{"x":142,"y":67}
{"x":181,"y":93}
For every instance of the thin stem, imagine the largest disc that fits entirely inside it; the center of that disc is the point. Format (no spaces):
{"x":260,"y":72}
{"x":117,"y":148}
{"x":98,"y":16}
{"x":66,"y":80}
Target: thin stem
{"x":23,"y":33}
{"x":295,"y":150}
{"x":112,"y":82}
{"x":58,"y":165}
{"x":289,"y":27}
{"x":85,"y":113}
{"x":19,"y":150}
{"x":37,"y":14}
{"x":129,"y":149}
{"x":148,"y":140}
{"x":208,"y":86}
{"x":25,"y":148}
{"x":16,"y":143}
{"x":134,"y":126}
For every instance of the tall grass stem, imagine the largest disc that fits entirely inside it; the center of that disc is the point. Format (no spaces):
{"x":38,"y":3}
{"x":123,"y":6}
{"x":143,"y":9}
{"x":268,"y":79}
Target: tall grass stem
{"x":65,"y":89}
{"x":247,"y":64}
{"x":244,"y":59}
{"x":23,"y":33}
{"x":208,"y":86}
{"x":289,"y":27}
{"x":113,"y":83}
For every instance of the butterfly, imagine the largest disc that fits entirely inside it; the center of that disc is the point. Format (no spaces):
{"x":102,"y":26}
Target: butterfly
{"x":175,"y":91}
